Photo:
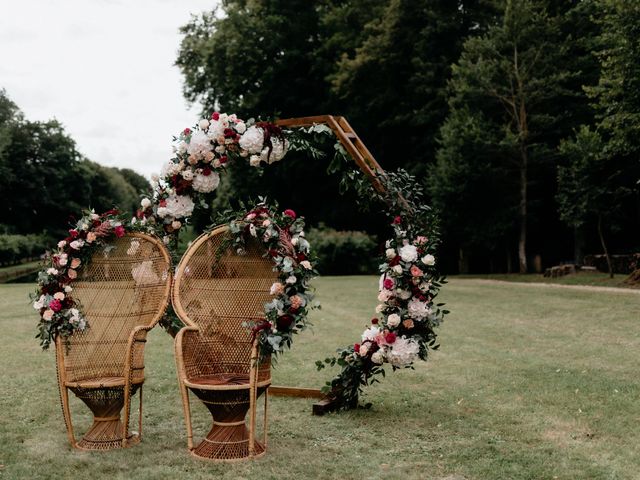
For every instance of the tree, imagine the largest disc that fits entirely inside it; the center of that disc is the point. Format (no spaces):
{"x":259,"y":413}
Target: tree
{"x":588,"y":185}
{"x":513,"y":86}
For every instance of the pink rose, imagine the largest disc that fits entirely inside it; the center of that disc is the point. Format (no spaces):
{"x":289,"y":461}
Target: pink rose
{"x":296,"y":302}
{"x":72,"y":274}
{"x":290,"y":213}
{"x":215,"y":116}
{"x":119,"y":231}
{"x":55,"y":305}
{"x":421,"y":240}
{"x":91,"y":237}
{"x":277,"y":289}
{"x":59,"y":296}
{"x":416,"y":272}
{"x":75,"y":262}
{"x":47,"y":315}
{"x":388,"y":283}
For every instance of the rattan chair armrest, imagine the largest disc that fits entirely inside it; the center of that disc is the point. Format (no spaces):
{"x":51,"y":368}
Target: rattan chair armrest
{"x":178,"y":346}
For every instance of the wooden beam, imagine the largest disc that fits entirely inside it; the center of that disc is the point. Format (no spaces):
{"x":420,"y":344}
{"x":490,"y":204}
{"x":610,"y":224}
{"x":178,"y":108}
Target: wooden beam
{"x":280,"y":391}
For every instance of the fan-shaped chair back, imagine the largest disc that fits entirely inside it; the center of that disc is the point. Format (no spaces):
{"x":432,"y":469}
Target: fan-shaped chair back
{"x":219,"y":293}
{"x":222,"y":292}
{"x":126,"y":285}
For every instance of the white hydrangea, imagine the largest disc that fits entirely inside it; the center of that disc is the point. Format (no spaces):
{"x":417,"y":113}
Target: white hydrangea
{"x":404,"y":352}
{"x":278,"y":151}
{"x":169,"y":169}
{"x":252,"y":140}
{"x":418,"y":309}
{"x":178,"y":206}
{"x":199,"y":143}
{"x":205,"y":183}
{"x":241,"y":127}
{"x":216,"y":129}
{"x":408,"y":253}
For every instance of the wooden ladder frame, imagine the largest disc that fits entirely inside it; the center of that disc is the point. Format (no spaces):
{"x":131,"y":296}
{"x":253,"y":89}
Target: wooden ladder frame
{"x":372,"y":169}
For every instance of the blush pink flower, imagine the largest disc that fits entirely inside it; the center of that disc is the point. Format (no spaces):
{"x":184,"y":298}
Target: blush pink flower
{"x":72,"y":274}
{"x":75,"y":262}
{"x":48,"y":314}
{"x":416,"y":272}
{"x":277,"y":289}
{"x":296,"y":302}
{"x":91,"y":237}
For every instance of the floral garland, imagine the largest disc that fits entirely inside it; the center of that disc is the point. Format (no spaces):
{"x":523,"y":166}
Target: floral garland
{"x":60,"y":313}
{"x":202,"y":154}
{"x":282,"y":235}
{"x":408,"y":285}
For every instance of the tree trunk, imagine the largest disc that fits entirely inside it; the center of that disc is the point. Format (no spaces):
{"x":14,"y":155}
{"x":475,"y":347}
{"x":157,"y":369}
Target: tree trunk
{"x":463,"y":261}
{"x":578,"y":245}
{"x":604,"y":246}
{"x":522,"y":241}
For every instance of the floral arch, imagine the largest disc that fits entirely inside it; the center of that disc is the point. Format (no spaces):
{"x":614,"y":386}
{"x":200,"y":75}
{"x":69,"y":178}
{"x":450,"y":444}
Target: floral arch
{"x":402,"y":331}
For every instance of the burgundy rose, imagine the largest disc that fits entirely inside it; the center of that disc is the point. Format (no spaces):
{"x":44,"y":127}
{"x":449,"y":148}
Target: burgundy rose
{"x":374,"y":321}
{"x":187,"y":131}
{"x":284,"y":322}
{"x":395,"y":261}
{"x":397,"y":220}
{"x":215,"y":116}
{"x":390,"y":337}
{"x":119,"y":231}
{"x":229,"y":133}
{"x":356,"y":347}
{"x":206,"y":171}
{"x":388,"y":283}
{"x":73,"y":233}
{"x":223,"y":159}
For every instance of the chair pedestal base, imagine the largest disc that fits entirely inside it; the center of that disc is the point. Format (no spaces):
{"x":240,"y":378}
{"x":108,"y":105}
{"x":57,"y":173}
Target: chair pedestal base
{"x":107,"y":430}
{"x":228,"y":439}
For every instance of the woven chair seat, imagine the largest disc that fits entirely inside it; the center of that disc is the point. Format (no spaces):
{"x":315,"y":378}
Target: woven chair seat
{"x":219,"y":379}
{"x":101,"y":382}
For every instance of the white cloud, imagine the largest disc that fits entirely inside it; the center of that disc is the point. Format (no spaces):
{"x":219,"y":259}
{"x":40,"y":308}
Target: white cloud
{"x":102,"y":68}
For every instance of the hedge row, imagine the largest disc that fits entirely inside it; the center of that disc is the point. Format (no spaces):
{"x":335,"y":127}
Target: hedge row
{"x":343,"y":252}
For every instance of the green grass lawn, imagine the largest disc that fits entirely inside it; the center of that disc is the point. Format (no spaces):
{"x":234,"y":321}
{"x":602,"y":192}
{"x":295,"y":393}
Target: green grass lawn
{"x":595,"y":279}
{"x":529,"y":384}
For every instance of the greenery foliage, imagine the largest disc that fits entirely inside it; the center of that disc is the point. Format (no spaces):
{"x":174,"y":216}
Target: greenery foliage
{"x":14,"y":248}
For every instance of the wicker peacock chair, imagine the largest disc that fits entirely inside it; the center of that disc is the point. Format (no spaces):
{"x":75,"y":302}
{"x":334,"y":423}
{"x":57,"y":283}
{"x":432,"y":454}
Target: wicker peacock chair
{"x":218,"y":293}
{"x":123,"y":292}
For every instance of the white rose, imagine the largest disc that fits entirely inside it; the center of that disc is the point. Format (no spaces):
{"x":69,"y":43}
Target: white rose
{"x":393,"y":320}
{"x":61,"y":243}
{"x":187,"y":174}
{"x":291,"y":279}
{"x":203,"y":124}
{"x":52,"y":271}
{"x":403,"y":294}
{"x":252,"y":230}
{"x":370,"y":334}
{"x":391,"y":253}
{"x":254,"y":160}
{"x":306,"y":264}
{"x":176,"y":224}
{"x":146,"y":203}
{"x":378,"y":357}
{"x":429,"y":260}
{"x":241,"y":127}
{"x":397,"y":269}
{"x":252,"y":140}
{"x":68,"y":289}
{"x":380,"y":308}
{"x":408,"y":253}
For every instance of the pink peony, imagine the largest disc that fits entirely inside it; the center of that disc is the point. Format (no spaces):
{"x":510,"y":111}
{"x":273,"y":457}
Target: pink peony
{"x":388,"y":283}
{"x":55,"y":305}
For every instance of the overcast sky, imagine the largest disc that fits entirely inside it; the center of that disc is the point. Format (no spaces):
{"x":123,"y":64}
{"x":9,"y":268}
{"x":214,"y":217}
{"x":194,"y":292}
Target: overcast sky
{"x":104,"y":68}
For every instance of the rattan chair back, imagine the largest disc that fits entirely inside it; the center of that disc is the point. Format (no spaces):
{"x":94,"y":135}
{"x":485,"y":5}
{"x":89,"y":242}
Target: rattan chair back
{"x":125,"y":285}
{"x":221,"y":293}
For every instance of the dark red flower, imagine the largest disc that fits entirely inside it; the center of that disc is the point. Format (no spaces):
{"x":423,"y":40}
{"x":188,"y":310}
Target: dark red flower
{"x":273,"y":252}
{"x":162,"y":203}
{"x":284,"y":322}
{"x":300,"y":257}
{"x":290,"y":213}
{"x":73,"y":233}
{"x":356,"y":347}
{"x":113,"y":211}
{"x":139,"y":214}
{"x":223,"y":159}
{"x":119,"y":231}
{"x":395,"y":261}
{"x":228,"y":132}
{"x":388,"y":283}
{"x":215,"y":116}
{"x":206,"y":171}
{"x":374,"y":321}
{"x":390,"y":337}
{"x":397,"y":220}
{"x":186,"y":131}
